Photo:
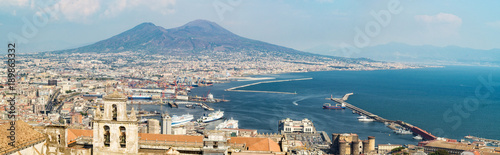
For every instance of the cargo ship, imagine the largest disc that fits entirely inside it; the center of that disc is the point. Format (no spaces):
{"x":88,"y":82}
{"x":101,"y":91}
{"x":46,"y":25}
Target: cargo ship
{"x":179,"y":120}
{"x":337,"y":106}
{"x":230,"y":123}
{"x":211,"y":117}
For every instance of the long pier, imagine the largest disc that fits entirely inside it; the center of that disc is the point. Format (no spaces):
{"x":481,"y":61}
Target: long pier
{"x":203,"y":105}
{"x":483,"y":139}
{"x":426,"y":135}
{"x":258,"y":91}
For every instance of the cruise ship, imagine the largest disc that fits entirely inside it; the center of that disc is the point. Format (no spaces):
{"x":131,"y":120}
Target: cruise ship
{"x":211,"y":117}
{"x":179,"y":120}
{"x":231,"y":123}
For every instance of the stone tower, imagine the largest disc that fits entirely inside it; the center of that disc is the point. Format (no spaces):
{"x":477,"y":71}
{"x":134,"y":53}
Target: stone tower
{"x":166,"y":125}
{"x":115,"y":132}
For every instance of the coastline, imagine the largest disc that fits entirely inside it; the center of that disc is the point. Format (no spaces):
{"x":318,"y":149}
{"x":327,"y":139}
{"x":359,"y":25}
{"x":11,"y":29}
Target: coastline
{"x":368,"y":102}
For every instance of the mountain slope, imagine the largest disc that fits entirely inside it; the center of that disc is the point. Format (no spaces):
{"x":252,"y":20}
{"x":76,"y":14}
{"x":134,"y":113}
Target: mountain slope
{"x":194,"y":37}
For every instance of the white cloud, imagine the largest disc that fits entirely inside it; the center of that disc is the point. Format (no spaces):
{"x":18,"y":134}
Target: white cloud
{"x":20,"y":3}
{"x":443,"y":24}
{"x":325,"y":1}
{"x":78,"y":10}
{"x":440,"y":18}
{"x":495,"y":24}
{"x":115,"y":7}
{"x":87,"y":10}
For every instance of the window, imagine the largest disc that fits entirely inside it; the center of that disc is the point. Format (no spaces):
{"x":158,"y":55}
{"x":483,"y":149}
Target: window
{"x":123,"y":137}
{"x":114,"y":112}
{"x":106,"y":136}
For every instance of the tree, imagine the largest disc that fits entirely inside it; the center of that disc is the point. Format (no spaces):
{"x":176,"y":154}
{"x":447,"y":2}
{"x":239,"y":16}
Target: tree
{"x":440,"y":152}
{"x":397,"y":149}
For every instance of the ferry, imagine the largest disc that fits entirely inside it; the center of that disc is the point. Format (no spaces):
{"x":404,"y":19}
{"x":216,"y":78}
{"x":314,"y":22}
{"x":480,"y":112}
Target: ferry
{"x":337,"y":106}
{"x":211,"y":117}
{"x":231,"y":123}
{"x":364,"y":119}
{"x":179,"y":120}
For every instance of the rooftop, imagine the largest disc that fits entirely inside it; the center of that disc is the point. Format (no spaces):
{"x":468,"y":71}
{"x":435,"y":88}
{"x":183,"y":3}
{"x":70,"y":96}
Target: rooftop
{"x":257,"y":144}
{"x":25,"y":135}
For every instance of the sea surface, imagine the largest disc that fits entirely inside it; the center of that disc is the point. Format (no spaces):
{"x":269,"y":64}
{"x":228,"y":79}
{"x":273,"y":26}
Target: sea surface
{"x":451,"y":102}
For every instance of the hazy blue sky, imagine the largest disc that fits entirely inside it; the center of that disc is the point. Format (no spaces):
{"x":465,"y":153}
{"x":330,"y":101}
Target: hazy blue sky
{"x":299,"y":24}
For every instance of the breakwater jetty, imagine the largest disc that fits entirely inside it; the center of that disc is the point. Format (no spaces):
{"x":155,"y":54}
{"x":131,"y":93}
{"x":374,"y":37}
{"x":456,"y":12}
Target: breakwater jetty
{"x":258,"y":91}
{"x":497,"y":142}
{"x":426,"y":135}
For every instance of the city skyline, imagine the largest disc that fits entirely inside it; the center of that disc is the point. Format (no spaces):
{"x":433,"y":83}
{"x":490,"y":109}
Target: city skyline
{"x":299,"y":25}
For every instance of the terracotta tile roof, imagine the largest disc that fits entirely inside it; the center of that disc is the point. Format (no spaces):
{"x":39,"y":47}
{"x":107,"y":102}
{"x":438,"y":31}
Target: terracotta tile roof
{"x":449,"y":145}
{"x":25,"y":135}
{"x":75,"y":133}
{"x":163,"y":137}
{"x":256,"y":144}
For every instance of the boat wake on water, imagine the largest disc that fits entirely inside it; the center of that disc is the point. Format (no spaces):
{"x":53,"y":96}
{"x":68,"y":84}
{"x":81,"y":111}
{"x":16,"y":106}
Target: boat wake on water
{"x":295,"y":102}
{"x":303,"y":98}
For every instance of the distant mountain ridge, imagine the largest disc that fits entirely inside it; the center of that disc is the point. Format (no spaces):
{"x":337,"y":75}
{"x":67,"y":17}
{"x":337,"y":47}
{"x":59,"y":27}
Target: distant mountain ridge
{"x":428,"y":54}
{"x":193,"y":37}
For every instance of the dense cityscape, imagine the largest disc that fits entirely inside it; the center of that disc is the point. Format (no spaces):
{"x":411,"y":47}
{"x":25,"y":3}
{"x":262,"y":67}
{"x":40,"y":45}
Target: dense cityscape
{"x":312,"y":78}
{"x":68,"y":94}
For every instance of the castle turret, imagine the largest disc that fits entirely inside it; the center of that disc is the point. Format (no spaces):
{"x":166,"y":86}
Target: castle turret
{"x":371,"y":143}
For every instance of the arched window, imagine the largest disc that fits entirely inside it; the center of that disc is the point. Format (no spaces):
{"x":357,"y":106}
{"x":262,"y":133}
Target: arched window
{"x":106,"y":136}
{"x":123,"y":137}
{"x":114,"y":112}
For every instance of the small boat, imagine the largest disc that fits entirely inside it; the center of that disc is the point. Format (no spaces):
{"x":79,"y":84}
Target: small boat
{"x":337,"y":106}
{"x":361,"y":116}
{"x":403,"y":132}
{"x":143,"y":120}
{"x":365,"y":119}
{"x":230,"y":123}
{"x":418,"y":137}
{"x":190,"y":106}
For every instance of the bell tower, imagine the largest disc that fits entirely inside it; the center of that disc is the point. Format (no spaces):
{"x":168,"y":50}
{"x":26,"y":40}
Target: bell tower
{"x":114,"y":130}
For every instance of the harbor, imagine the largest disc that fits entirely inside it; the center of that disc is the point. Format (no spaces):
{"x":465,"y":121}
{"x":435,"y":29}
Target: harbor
{"x":393,"y":125}
{"x":258,"y":91}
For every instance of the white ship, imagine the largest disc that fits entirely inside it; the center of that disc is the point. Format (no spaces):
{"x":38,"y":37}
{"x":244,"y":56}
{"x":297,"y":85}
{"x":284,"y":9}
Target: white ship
{"x":231,"y":123}
{"x":211,"y":117}
{"x":364,"y":119}
{"x":179,"y":120}
{"x":418,"y":137}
